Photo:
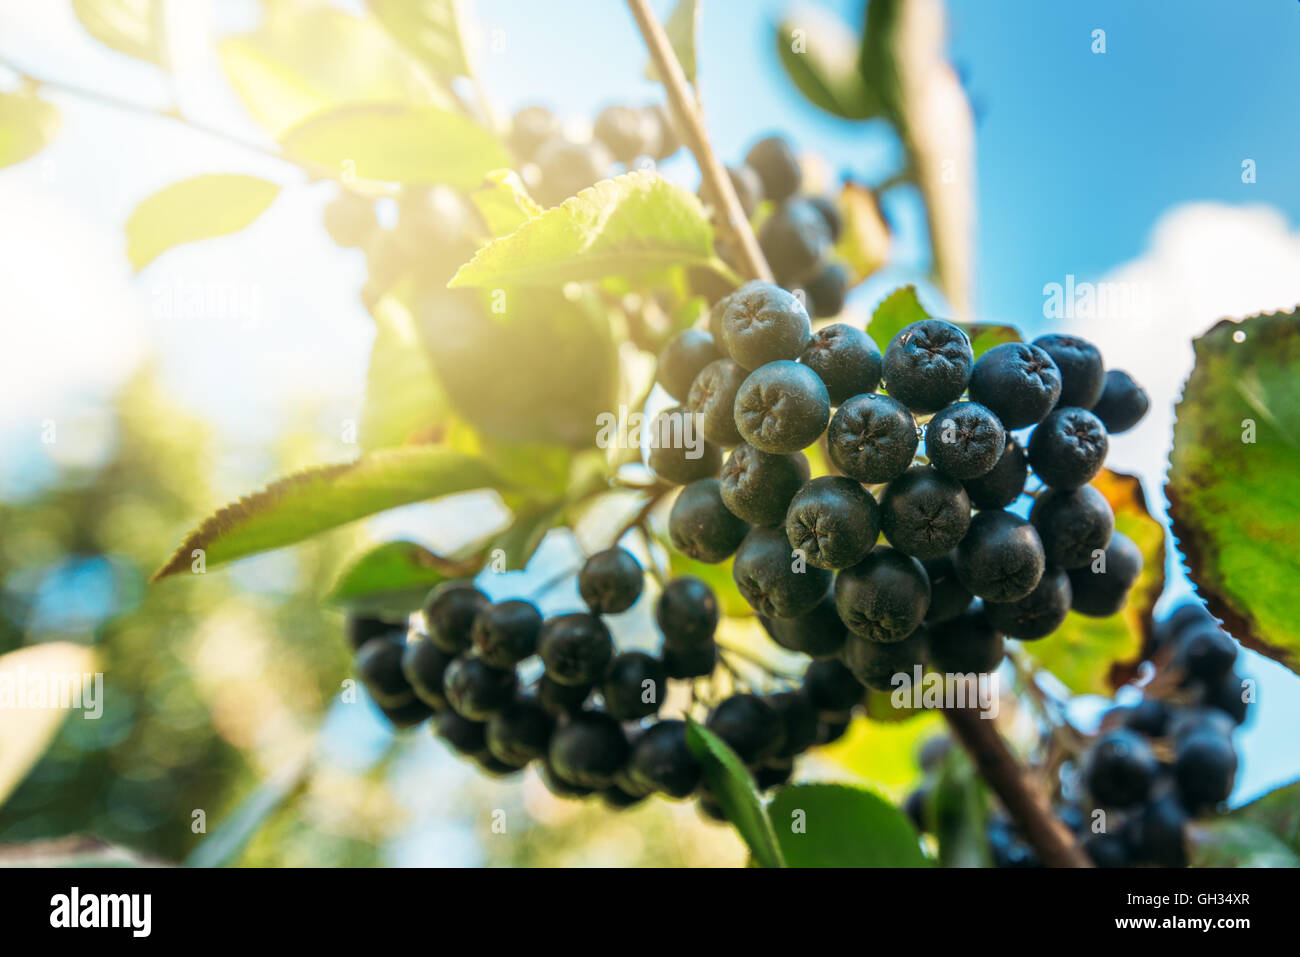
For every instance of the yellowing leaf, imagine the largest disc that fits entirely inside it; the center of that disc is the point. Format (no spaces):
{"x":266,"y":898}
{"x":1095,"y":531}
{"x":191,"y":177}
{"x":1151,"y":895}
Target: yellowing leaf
{"x":865,"y":240}
{"x":681,"y":27}
{"x":59,"y":671}
{"x":26,"y":125}
{"x":403,"y":403}
{"x":133,"y":27}
{"x":504,"y":202}
{"x":312,"y":501}
{"x":397,"y":144}
{"x":635,"y":224}
{"x":193,"y":209}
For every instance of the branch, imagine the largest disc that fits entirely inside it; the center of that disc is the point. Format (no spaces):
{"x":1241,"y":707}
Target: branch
{"x":732,"y":221}
{"x":999,"y":767}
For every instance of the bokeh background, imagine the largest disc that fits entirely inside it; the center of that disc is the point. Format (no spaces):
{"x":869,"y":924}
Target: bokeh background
{"x":232,"y":360}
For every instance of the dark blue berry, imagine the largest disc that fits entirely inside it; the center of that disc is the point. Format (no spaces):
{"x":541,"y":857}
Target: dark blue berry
{"x":928,"y":364}
{"x":846,"y":359}
{"x":834,"y":521}
{"x":872,"y":438}
{"x":884,"y":597}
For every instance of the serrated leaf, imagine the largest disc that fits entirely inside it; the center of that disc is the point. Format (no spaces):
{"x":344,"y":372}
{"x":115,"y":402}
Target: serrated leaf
{"x":1097,"y":655}
{"x":30,"y":723}
{"x":504,"y":202}
{"x":317,"y":499}
{"x":682,"y":26}
{"x":865,"y":239}
{"x":224,"y":845}
{"x":1234,"y":502}
{"x":309,"y":58}
{"x":430,"y":30}
{"x":820,"y":55}
{"x":194,"y":209}
{"x":394,"y":578}
{"x":732,"y":785}
{"x":403,"y":402}
{"x":835,"y":825}
{"x":902,"y":307}
{"x":27,"y":124}
{"x":133,"y":27}
{"x":633,"y":225}
{"x":396,"y":143}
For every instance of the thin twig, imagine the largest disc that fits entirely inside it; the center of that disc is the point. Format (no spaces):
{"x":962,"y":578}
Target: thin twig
{"x":732,"y":222}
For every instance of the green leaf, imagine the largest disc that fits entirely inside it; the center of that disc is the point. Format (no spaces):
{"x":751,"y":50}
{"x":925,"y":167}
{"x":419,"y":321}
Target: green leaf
{"x":1234,"y":480}
{"x":403,"y":402}
{"x":396,"y":143}
{"x":76,"y":850}
{"x":504,"y":202}
{"x":1278,"y":810}
{"x":902,"y":307}
{"x":865,"y":239}
{"x":26,"y":126}
{"x":834,"y":825}
{"x":194,"y":209}
{"x":682,"y":26}
{"x":308,"y":57}
{"x":636,"y":224}
{"x":394,"y":578}
{"x":1231,"y":842}
{"x":133,"y":27}
{"x":732,"y":785}
{"x":223,"y":846}
{"x":430,"y":30}
{"x":1097,"y":655}
{"x":30,"y":726}
{"x":317,"y":499}
{"x":958,"y":808}
{"x":820,"y":55}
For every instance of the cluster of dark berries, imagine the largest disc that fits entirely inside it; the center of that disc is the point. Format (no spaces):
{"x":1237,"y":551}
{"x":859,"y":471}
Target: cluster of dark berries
{"x":798,"y":232}
{"x":959,"y":571}
{"x":590,"y":717}
{"x":556,"y":165}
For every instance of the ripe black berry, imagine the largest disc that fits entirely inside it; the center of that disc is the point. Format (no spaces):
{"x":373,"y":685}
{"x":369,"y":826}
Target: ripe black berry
{"x":410,"y":714}
{"x":423,"y":665}
{"x":627,"y":131}
{"x":557,"y":699}
{"x":662,"y":761}
{"x":1068,"y":448}
{"x":928,"y":364}
{"x":772,"y":580}
{"x":818,"y":633}
{"x":1206,"y":652}
{"x":834,"y":521}
{"x":883,"y":597}
{"x":827,"y":289}
{"x":1190,"y":721}
{"x":378,"y":663}
{"x":519,"y":732}
{"x":924,"y":513}
{"x":1073,"y":524}
{"x":832,"y":688}
{"x":1123,"y":403}
{"x":798,"y":719}
{"x":1039,"y":613}
{"x":1228,"y":695}
{"x":575,"y":648}
{"x":560,"y":787}
{"x":1159,"y":836}
{"x":773,"y":773}
{"x":530,"y":128}
{"x":678,"y":450}
{"x":701,"y":526}
{"x":361,"y":628}
{"x":845,"y":358}
{"x":774,"y":162}
{"x":875,"y":664}
{"x":1018,"y":381}
{"x":475,"y":689}
{"x":1204,"y":767}
{"x":948,"y":596}
{"x":692,"y":661}
{"x":464,"y":735}
{"x":1150,"y":716}
{"x":1003,"y":484}
{"x":794,"y":239}
{"x":1080,"y":366}
{"x":1001,"y":558}
{"x":610,"y":581}
{"x":634,"y":685}
{"x":1120,"y":769}
{"x":588,"y":750}
{"x":831,"y":730}
{"x":568,"y":167}
{"x":872,"y":438}
{"x":964,"y":440}
{"x":682,"y":359}
{"x":1106,"y":850}
{"x":763,"y":323}
{"x":712,"y":397}
{"x":506,"y":633}
{"x":687,"y":613}
{"x":969,"y":644}
{"x":1101,"y":586}
{"x":749,"y":725}
{"x":758,"y":486}
{"x":450,"y":611}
